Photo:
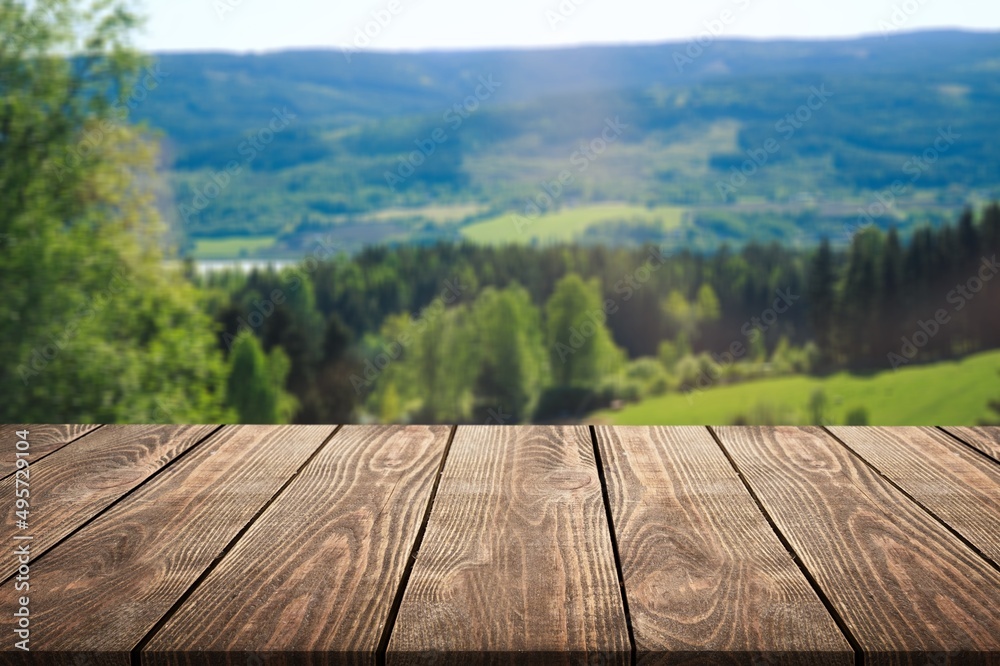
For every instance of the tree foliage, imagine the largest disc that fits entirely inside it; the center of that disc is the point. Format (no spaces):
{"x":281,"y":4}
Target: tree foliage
{"x":512,"y":361}
{"x":95,"y":327}
{"x":255,"y":387}
{"x":582,"y":351}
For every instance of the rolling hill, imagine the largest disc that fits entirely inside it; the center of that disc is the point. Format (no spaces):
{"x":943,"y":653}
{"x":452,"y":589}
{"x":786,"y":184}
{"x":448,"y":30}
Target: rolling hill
{"x":755,"y":140}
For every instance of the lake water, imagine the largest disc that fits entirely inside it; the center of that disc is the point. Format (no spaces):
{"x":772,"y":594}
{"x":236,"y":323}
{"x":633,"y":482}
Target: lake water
{"x":241,"y":265}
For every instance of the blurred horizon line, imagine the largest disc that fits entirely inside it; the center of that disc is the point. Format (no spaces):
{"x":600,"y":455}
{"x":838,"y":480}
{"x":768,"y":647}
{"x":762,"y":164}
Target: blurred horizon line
{"x":874,"y":36}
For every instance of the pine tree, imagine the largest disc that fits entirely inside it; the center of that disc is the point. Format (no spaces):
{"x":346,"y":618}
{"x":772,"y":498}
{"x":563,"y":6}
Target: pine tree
{"x":860,"y":296}
{"x":967,"y":239}
{"x":990,"y":230}
{"x":990,"y":238}
{"x":890,"y":293}
{"x":821,"y":286}
{"x":334,"y":393}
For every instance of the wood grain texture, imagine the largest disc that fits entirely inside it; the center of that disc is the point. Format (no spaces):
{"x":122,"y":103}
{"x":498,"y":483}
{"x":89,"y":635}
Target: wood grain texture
{"x":319,"y":570}
{"x":984,"y":438}
{"x":77,"y":482}
{"x":517,"y":564}
{"x":102,"y":590}
{"x":44,"y":439}
{"x":959,"y":486}
{"x":707,"y":579}
{"x":908,"y":590}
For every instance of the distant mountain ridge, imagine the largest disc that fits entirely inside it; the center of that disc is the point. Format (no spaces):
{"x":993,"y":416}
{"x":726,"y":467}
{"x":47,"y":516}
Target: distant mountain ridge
{"x":423,"y":81}
{"x":693,"y":118}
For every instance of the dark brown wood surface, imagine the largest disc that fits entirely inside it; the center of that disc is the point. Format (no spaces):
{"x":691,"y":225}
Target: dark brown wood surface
{"x":906,"y":588}
{"x":318,"y":571}
{"x":43,"y":440}
{"x":103,"y":589}
{"x":281,"y":545}
{"x":957,"y":485}
{"x":517,"y":564}
{"x":705,"y":575}
{"x":77,"y":482}
{"x":984,"y":438}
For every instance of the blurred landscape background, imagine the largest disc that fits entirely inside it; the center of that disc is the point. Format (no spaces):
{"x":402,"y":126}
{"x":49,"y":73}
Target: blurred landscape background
{"x":713,"y":230}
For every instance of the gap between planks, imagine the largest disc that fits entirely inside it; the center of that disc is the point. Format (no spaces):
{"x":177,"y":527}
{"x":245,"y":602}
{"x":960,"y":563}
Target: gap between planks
{"x":963,"y":438}
{"x":382,"y":646}
{"x":380,"y":654}
{"x":827,"y":603}
{"x":10,"y":429}
{"x":86,"y":523}
{"x":944,"y":523}
{"x":135,"y":656}
{"x":397,"y":600}
{"x":906,"y":587}
{"x":451,"y":508}
{"x":614,"y":543}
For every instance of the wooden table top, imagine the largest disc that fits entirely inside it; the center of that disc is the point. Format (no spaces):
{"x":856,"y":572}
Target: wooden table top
{"x":280,"y":545}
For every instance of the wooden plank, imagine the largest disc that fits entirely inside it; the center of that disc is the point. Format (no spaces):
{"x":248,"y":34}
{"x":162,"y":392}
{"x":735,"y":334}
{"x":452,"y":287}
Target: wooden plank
{"x":319,"y":570}
{"x":103,"y":589}
{"x":955,"y":483}
{"x":707,"y":579}
{"x":517,"y":564}
{"x":75,"y":483}
{"x":907,"y":589}
{"x":44,"y":439}
{"x":984,"y":438}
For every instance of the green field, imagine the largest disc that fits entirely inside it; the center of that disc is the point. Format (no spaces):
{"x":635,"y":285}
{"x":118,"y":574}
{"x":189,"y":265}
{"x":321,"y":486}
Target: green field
{"x":950,"y":393}
{"x":568,"y":224}
{"x":438,"y":214}
{"x":230,"y":248}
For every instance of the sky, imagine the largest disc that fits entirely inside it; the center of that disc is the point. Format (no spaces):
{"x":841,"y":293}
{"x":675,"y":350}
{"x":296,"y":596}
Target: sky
{"x":393,"y":25}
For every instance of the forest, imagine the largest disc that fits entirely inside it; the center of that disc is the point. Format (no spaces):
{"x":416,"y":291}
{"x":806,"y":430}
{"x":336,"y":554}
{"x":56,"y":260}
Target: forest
{"x":466,"y":333}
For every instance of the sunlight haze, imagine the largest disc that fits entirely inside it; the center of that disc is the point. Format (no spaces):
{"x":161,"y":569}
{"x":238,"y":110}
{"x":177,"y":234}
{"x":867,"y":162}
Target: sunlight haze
{"x":258,"y":25}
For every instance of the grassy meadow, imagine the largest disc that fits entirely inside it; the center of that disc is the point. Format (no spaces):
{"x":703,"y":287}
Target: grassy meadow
{"x":569,"y":224}
{"x":230,"y":248}
{"x":946,"y":393}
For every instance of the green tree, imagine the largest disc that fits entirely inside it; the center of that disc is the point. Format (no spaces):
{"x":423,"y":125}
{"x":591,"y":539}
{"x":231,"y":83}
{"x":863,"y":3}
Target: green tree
{"x":94,"y":326}
{"x":757,"y":351}
{"x":968,"y":239}
{"x":890,"y":291}
{"x":511,"y":354}
{"x":821,"y":282}
{"x":443,"y":364}
{"x":817,"y":407}
{"x":387,"y":373}
{"x":681,"y":315}
{"x":857,"y":417}
{"x":256,"y":382}
{"x":688,"y":318}
{"x":990,"y":229}
{"x":390,"y":409}
{"x":580,"y":345}
{"x":334,"y":393}
{"x":707,"y":305}
{"x":861,"y":295}
{"x":668,"y":353}
{"x":989,"y":325}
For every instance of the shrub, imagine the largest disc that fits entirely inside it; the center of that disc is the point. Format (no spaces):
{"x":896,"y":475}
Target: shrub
{"x":857,"y":417}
